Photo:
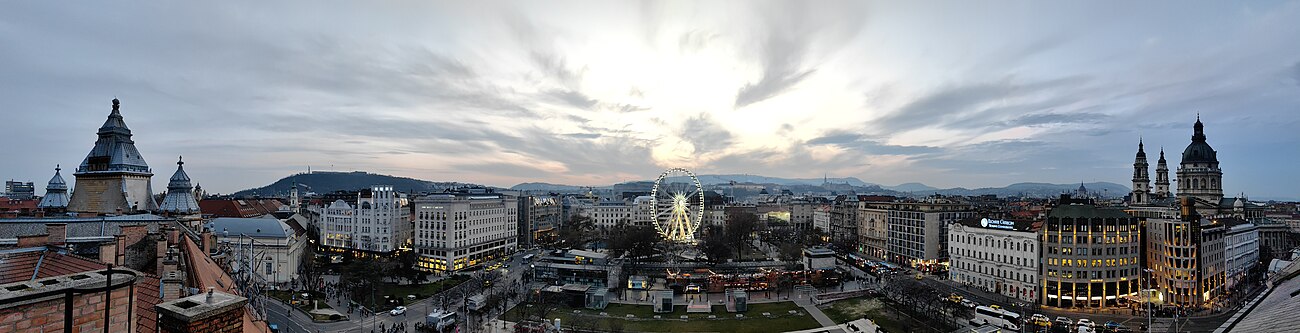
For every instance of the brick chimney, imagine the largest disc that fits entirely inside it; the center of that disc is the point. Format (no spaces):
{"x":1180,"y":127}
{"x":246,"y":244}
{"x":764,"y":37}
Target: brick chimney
{"x":206,"y":239}
{"x":108,"y":251}
{"x":211,"y":312}
{"x":160,"y":256}
{"x":120,"y":258}
{"x":58,"y":232}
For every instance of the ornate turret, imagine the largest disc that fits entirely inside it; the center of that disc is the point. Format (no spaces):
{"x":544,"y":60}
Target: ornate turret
{"x":114,"y":177}
{"x":180,"y":195}
{"x":1141,"y":178}
{"x":56,"y":193}
{"x":1162,"y":176}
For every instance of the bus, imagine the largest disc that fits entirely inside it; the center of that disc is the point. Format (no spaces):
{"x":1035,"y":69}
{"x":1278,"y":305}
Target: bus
{"x":441,"y":321}
{"x":528,"y":257}
{"x":997,"y":317}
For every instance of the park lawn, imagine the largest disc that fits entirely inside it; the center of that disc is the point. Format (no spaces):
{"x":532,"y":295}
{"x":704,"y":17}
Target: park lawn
{"x":874,"y":308}
{"x":421,"y":290}
{"x":754,"y":321}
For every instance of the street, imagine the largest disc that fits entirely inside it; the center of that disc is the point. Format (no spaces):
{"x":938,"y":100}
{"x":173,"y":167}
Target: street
{"x":298,"y":322}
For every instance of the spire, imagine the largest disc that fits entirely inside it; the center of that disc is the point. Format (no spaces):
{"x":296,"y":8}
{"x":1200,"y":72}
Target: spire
{"x":1198,"y":134}
{"x":1162,"y":154}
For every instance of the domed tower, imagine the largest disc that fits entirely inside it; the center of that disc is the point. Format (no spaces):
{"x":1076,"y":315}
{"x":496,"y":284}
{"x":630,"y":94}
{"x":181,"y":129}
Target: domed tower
{"x":114,"y":177}
{"x":180,"y":195}
{"x":1162,"y":176}
{"x":56,"y":194}
{"x":1141,"y":178}
{"x":1199,"y":175}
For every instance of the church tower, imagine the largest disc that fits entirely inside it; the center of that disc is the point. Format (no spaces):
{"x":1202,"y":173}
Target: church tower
{"x":1162,"y":176}
{"x":114,"y":177}
{"x":1199,"y":175}
{"x":1141,"y":178}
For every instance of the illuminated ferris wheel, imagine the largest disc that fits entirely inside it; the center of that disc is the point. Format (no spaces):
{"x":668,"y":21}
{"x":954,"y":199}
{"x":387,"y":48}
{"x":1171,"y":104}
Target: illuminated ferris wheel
{"x":678,"y":201}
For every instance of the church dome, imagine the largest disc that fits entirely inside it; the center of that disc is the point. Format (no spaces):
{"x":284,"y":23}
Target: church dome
{"x":1199,"y":151}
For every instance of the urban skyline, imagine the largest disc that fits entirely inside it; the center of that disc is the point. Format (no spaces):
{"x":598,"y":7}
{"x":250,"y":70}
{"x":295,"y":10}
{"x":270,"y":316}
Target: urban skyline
{"x":506,"y":93}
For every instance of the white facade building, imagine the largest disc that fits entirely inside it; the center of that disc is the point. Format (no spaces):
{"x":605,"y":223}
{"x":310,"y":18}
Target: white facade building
{"x":995,"y":255}
{"x":821,"y":218}
{"x":1241,"y":250}
{"x":379,"y":223}
{"x":460,"y":230}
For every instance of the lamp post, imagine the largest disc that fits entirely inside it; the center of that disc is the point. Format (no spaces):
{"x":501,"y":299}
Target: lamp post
{"x":1148,"y":292}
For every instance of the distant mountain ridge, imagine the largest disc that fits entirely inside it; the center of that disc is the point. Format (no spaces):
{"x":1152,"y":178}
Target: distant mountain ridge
{"x":330,"y":181}
{"x":1039,"y":190}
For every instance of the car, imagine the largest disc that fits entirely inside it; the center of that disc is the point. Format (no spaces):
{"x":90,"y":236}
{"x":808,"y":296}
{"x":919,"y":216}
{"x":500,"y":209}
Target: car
{"x":968,"y":304}
{"x":955,"y":298}
{"x":693,"y":288}
{"x":1112,"y":326}
{"x":1063,"y":321}
{"x":920,"y":277}
{"x":397,"y":311}
{"x":1086,"y":322}
{"x":996,"y":307}
{"x":1040,"y":320}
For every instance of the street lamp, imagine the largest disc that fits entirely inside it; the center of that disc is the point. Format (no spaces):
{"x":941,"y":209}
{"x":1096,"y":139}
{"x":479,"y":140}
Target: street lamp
{"x":1148,"y":292}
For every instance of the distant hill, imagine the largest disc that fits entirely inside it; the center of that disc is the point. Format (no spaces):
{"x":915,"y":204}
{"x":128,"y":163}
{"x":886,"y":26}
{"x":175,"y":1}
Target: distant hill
{"x":725,"y":179}
{"x":1039,"y":190}
{"x":327,"y":181}
{"x":910,"y":187}
{"x":547,"y":187}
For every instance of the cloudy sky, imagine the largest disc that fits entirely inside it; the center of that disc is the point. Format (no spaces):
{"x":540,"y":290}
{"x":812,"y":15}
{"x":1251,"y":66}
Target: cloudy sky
{"x":949,"y":94}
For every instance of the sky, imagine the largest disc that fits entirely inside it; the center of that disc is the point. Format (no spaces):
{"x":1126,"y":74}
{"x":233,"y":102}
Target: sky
{"x":948,"y":94}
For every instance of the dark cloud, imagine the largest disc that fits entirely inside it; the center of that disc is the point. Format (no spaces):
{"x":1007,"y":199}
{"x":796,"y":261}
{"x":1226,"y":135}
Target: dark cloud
{"x":974,"y":105}
{"x":868,"y":146}
{"x":705,"y":134}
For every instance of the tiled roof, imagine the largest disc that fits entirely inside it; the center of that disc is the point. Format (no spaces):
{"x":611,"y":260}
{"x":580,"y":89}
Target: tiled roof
{"x":148,"y":293}
{"x":239,"y":207}
{"x":19,"y":264}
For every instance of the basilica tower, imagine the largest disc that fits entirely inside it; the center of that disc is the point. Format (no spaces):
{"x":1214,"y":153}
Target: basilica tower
{"x":1199,"y":175}
{"x":1141,"y":178}
{"x":1162,"y":177}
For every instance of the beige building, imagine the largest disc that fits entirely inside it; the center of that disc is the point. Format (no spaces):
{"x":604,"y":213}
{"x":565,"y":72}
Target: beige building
{"x":459,"y":230}
{"x":996,"y":255}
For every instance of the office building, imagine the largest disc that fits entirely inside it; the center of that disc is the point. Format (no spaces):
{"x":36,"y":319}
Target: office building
{"x":999,"y":256}
{"x":1091,"y":255}
{"x":463,"y":229}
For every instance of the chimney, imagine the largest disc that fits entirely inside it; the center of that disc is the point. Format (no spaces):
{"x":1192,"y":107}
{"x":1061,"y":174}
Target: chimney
{"x":108,"y":252}
{"x":160,"y":256}
{"x":202,"y":313}
{"x":172,"y":234}
{"x":40,"y":214}
{"x":119,"y":211}
{"x":206,"y":239}
{"x":58,"y":232}
{"x":120,"y":258}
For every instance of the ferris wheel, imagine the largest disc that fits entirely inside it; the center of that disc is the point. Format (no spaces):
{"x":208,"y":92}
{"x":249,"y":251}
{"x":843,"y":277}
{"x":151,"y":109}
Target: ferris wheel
{"x":678,"y":202}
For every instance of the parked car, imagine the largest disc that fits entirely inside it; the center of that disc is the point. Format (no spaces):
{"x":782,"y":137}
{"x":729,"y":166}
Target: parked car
{"x":397,"y":311}
{"x":1087,"y":323}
